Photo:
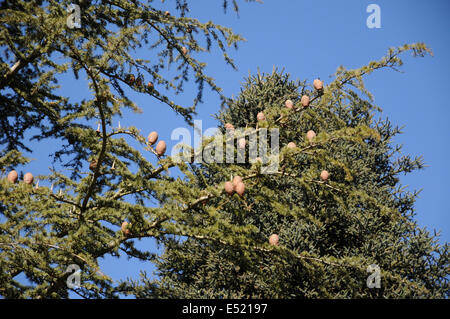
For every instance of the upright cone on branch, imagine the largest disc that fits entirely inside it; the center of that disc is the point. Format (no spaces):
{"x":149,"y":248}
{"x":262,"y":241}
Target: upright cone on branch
{"x":240,"y":188}
{"x":229,"y":188}
{"x":289,"y":104}
{"x":161,"y":148}
{"x":324,"y":175}
{"x":125,"y":229}
{"x":13,"y":176}
{"x":28,"y":178}
{"x":318,"y":84}
{"x":236,"y":180}
{"x":274,"y":240}
{"x":310,"y":135}
{"x":305,"y":100}
{"x":152,"y":138}
{"x":291,"y":145}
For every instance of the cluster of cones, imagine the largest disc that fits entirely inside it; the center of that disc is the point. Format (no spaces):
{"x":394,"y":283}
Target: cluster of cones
{"x":13,"y":177}
{"x":238,"y":186}
{"x":305,"y":100}
{"x":161,"y":147}
{"x":133,"y":81}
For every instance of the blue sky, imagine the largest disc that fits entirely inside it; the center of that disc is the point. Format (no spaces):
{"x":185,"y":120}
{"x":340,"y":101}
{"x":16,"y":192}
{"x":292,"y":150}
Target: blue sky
{"x":311,"y":39}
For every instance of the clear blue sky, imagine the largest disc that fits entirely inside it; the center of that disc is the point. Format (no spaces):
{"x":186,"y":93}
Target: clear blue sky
{"x":311,"y":39}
